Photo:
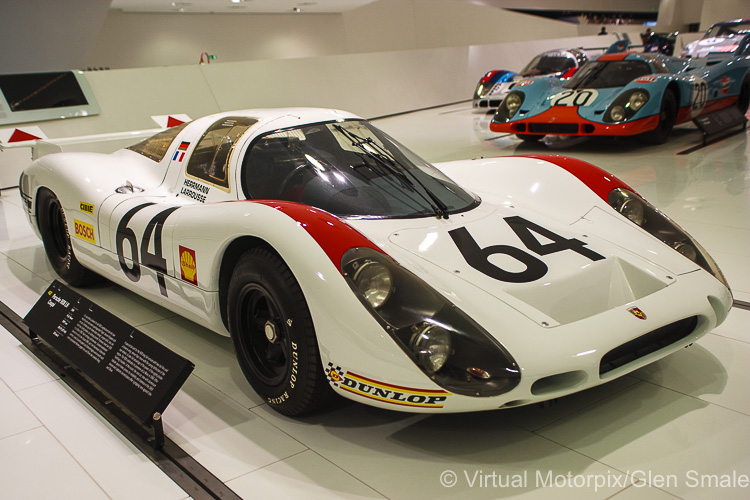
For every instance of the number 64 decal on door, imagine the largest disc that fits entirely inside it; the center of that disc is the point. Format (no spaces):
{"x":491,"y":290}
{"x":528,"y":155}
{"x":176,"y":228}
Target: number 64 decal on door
{"x":478,"y":258}
{"x":156,"y":260}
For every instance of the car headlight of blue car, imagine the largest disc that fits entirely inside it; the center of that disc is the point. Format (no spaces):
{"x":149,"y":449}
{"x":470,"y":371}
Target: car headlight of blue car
{"x":626,"y":106}
{"x":445,"y":343}
{"x":509,"y":107}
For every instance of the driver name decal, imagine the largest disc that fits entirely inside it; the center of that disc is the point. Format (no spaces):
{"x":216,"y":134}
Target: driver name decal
{"x":381,"y":391}
{"x":194,"y":190}
{"x":188,"y":268}
{"x":84,"y":231}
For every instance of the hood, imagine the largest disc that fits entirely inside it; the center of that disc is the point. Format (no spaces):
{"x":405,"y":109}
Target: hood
{"x":546,"y":270}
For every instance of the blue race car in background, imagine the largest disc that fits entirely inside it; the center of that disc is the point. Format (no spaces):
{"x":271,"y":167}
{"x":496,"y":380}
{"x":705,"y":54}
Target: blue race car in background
{"x":627,"y":94}
{"x":560,"y":63}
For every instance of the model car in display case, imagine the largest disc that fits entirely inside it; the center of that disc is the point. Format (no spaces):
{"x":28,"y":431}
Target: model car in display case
{"x":720,"y":38}
{"x":627,"y":94}
{"x":493,"y":86}
{"x":340,"y":262}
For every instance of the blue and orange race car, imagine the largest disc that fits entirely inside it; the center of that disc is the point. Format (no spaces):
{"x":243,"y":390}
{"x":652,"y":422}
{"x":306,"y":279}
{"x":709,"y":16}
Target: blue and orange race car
{"x":627,"y":94}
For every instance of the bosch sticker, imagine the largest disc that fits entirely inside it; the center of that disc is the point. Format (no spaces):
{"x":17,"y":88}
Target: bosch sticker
{"x":381,"y":391}
{"x":188,"y":267}
{"x":84,"y":231}
{"x":523,"y":83}
{"x":646,"y":79}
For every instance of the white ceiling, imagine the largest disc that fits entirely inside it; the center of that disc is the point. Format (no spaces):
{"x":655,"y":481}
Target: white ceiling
{"x":240,"y":6}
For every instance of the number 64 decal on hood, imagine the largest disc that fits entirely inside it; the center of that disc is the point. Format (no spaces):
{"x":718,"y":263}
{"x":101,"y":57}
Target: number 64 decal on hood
{"x":478,"y":258}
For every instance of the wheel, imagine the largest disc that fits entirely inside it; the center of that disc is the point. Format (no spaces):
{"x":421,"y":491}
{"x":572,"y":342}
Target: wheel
{"x":530,"y":137}
{"x":743,"y":99}
{"x":273,"y":334}
{"x":56,"y":240}
{"x":667,"y":117}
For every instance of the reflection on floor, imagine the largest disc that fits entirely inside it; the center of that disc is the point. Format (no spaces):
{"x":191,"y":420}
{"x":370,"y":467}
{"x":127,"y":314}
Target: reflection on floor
{"x":678,"y":428}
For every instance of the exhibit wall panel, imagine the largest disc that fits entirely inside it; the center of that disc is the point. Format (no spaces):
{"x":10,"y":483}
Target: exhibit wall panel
{"x":720,"y":10}
{"x":371,"y":85}
{"x":129,"y":97}
{"x":131,"y":40}
{"x":366,"y":84}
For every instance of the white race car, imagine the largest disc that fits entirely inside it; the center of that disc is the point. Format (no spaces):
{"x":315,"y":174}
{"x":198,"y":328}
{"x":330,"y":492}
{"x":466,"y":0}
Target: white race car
{"x":720,"y":39}
{"x":340,"y":262}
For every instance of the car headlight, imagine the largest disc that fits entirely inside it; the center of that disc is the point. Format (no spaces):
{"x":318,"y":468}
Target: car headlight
{"x":509,"y":107}
{"x":645,"y":215}
{"x":373,"y":282}
{"x":444,"y":342}
{"x":626,"y":105}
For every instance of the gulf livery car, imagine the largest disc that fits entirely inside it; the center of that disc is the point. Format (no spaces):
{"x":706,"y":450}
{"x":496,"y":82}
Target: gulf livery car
{"x":340,"y":262}
{"x":626,"y":94}
{"x":493,"y":86}
{"x":720,"y":38}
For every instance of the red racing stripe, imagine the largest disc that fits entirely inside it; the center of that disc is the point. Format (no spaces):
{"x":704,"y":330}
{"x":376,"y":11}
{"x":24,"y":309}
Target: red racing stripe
{"x":598,"y":180}
{"x":333,"y":235}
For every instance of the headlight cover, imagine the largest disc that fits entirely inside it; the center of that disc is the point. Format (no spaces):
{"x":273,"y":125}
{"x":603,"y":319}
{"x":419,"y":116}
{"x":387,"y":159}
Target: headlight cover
{"x":444,"y":342}
{"x":509,"y":107}
{"x":645,"y":215}
{"x":626,"y":106}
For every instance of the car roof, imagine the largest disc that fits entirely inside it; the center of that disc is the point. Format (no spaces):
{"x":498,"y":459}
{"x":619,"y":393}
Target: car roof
{"x":279,"y":118}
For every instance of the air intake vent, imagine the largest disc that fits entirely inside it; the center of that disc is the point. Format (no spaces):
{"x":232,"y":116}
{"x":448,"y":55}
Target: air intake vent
{"x":646,"y":344}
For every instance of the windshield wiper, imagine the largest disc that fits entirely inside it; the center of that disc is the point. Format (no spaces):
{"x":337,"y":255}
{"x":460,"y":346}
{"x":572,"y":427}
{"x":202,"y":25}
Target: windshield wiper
{"x":390,"y":162}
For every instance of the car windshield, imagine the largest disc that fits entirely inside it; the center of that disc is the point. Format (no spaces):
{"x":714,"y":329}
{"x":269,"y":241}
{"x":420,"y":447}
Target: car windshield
{"x":547,"y":64}
{"x":349,"y":169}
{"x":604,"y":74}
{"x":726,"y":30}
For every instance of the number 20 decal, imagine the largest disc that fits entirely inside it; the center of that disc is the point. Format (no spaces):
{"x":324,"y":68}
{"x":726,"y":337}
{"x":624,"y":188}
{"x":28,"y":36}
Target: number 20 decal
{"x":577,"y":97}
{"x":156,"y":260}
{"x":478,"y":258}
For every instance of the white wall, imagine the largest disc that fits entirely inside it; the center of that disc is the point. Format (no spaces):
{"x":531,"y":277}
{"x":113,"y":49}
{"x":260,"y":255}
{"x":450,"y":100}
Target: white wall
{"x":130,"y":40}
{"x":48,"y":35}
{"x":720,"y":10}
{"x":373,"y":84}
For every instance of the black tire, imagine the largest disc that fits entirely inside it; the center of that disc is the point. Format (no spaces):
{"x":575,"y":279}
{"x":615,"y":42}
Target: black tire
{"x":667,"y":118}
{"x":273,"y":334}
{"x":530,"y":137}
{"x":56,"y":240}
{"x":743,"y":99}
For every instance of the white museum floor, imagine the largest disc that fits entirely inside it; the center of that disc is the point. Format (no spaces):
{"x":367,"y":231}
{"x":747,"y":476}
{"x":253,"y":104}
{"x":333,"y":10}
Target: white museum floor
{"x":679,"y":428}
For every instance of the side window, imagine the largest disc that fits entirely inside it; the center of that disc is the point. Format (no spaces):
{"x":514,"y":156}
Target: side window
{"x":156,"y":146}
{"x":210,"y":159}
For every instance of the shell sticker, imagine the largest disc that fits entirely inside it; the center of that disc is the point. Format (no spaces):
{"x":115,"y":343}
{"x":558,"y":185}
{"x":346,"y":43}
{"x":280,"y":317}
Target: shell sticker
{"x":188,"y":268}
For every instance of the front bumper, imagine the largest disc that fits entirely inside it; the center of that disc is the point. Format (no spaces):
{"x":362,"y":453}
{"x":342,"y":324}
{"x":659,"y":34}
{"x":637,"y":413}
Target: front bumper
{"x":565,"y":120}
{"x":601,"y":348}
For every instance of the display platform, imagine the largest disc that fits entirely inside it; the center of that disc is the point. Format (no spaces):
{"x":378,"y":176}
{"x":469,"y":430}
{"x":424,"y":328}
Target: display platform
{"x":677,"y":428}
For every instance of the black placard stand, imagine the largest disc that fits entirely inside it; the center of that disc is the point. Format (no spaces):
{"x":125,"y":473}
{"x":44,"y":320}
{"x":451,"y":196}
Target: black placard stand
{"x":720,"y":121}
{"x":138,"y":373}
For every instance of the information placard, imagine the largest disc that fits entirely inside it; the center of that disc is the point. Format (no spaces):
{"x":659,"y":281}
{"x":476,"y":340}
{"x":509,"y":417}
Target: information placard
{"x":135,"y":370}
{"x":721,"y":120}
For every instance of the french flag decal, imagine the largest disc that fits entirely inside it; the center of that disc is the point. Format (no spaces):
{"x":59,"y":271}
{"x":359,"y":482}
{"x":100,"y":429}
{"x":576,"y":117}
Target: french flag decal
{"x":179,"y":155}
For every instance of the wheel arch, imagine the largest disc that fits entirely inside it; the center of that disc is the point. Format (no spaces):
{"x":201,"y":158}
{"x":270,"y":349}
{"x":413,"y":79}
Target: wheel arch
{"x":229,"y":260}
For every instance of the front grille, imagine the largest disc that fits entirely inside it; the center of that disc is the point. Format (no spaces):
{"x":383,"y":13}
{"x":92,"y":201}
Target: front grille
{"x":646,"y":344}
{"x":553,"y":128}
